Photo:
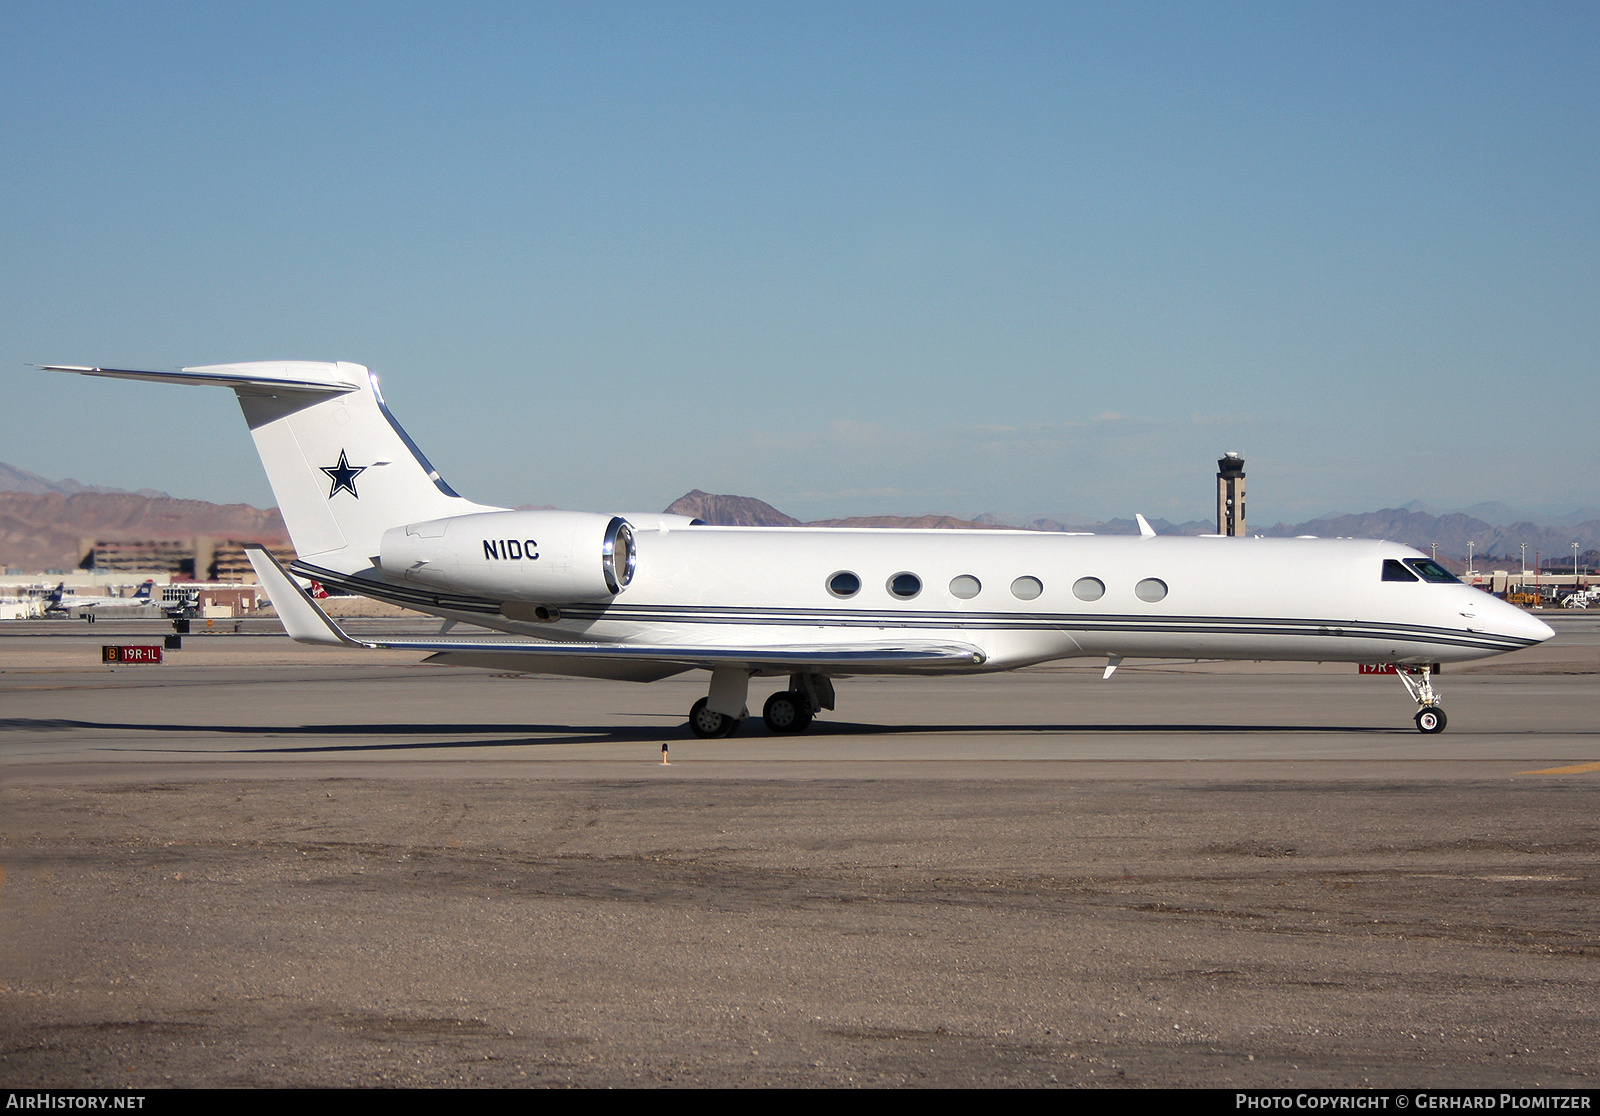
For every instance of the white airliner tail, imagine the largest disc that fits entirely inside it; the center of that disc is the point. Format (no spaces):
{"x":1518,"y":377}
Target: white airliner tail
{"x":342,"y":469}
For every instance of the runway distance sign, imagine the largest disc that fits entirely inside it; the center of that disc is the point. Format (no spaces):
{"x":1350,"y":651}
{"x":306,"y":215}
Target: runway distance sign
{"x":130,"y":654}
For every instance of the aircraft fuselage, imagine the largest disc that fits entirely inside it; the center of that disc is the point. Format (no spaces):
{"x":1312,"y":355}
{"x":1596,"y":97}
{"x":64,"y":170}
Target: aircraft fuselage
{"x":1022,"y":597}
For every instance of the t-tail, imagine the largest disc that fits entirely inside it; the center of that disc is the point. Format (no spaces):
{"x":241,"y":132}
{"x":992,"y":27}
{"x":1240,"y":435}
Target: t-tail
{"x":342,"y":469}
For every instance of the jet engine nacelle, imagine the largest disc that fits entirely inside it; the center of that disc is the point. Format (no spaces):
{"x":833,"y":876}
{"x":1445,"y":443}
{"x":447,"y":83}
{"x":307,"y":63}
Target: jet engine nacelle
{"x":548,"y":557}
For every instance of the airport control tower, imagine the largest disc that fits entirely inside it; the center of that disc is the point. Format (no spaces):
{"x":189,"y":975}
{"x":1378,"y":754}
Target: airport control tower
{"x":1230,"y":495}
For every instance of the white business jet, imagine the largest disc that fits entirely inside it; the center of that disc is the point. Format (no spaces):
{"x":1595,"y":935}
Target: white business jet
{"x":643,"y":597}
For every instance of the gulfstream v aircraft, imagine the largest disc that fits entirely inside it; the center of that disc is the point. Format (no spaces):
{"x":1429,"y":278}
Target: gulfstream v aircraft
{"x":642,"y":597}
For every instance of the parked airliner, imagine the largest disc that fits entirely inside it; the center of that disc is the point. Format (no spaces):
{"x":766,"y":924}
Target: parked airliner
{"x":643,"y":597}
{"x":61,"y":600}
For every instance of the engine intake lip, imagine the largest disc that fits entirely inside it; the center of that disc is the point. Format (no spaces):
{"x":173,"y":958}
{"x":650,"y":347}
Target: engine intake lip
{"x":618,"y":557}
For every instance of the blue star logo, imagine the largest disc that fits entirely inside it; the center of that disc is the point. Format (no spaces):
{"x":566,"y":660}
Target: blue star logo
{"x":344,"y":476}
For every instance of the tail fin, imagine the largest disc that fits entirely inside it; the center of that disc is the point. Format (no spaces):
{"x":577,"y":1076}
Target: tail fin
{"x":342,"y":469}
{"x":143,"y":592}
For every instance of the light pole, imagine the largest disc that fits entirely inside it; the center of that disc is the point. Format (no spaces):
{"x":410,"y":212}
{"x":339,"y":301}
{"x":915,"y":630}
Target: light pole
{"x":1574,"y":567}
{"x":1435,"y":548}
{"x":1524,"y":564}
{"x":1470,"y":545}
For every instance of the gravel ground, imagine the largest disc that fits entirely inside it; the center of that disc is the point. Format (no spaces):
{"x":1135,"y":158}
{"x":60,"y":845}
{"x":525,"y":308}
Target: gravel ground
{"x":872,"y":932}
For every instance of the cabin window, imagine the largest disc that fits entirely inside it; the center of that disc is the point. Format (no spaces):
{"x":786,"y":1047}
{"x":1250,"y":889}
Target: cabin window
{"x":1432,"y":571}
{"x":1088,"y":588}
{"x":1151,"y":589}
{"x":905,"y":585}
{"x":1394,"y":571}
{"x":966,"y":587}
{"x":844,"y":584}
{"x":1026,"y":588}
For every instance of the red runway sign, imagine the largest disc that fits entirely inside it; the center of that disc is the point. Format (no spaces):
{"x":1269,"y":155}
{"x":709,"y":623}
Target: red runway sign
{"x":110,"y":654}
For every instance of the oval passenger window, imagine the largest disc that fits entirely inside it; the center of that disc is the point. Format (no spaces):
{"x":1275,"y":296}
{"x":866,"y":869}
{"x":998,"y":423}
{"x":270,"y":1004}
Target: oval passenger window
{"x":966,"y":587}
{"x":844,"y":584}
{"x":1151,"y":589}
{"x":905,"y":585}
{"x":1026,"y":588}
{"x":1088,"y":588}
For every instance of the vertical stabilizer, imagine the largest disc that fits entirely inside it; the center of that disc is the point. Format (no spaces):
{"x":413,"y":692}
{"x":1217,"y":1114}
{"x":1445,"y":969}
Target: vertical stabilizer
{"x":342,"y":469}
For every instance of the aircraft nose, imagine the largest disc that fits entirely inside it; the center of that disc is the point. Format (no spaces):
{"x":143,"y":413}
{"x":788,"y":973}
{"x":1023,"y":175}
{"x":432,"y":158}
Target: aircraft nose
{"x":1512,"y":621}
{"x":1542,"y":630}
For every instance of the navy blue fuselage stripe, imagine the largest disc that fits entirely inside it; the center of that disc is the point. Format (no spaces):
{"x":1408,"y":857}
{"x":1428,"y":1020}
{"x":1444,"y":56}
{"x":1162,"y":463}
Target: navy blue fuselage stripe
{"x":399,"y":594}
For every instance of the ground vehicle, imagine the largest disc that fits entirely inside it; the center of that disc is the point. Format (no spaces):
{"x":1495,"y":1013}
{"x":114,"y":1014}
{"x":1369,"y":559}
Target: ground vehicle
{"x":1582,"y":598}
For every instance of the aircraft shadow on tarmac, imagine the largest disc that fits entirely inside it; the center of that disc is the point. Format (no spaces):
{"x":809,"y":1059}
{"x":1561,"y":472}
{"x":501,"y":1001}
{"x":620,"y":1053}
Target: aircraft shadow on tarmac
{"x":553,"y":735}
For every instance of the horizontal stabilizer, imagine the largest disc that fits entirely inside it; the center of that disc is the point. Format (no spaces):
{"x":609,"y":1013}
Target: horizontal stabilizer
{"x":312,"y":377}
{"x":307,"y":623}
{"x":342,"y":469}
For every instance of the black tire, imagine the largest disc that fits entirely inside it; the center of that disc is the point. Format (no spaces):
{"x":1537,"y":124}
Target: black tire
{"x":1430,"y":719}
{"x":787,"y":712}
{"x":704,"y":723}
{"x":708,"y":725}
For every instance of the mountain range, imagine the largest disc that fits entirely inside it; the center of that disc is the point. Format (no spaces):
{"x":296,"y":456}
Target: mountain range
{"x":13,"y":479}
{"x":1548,"y":539}
{"x":53,"y":530}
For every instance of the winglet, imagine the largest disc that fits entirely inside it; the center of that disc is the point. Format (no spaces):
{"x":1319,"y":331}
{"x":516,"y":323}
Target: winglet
{"x":302,"y":619}
{"x":1145,"y":530}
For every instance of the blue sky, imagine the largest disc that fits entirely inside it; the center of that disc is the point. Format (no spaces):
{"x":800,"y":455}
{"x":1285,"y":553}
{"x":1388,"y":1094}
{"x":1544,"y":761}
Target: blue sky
{"x":853,"y":259}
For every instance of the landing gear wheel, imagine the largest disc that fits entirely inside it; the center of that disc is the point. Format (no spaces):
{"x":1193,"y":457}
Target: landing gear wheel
{"x":787,"y":712}
{"x":1430,"y":719}
{"x":709,"y":725}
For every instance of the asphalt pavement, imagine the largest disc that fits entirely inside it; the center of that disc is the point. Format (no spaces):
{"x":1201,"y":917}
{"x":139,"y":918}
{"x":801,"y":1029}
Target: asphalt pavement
{"x":262,"y":864}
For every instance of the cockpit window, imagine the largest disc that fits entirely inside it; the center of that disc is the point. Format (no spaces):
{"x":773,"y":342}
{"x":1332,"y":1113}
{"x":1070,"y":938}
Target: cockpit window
{"x":1431,"y":570}
{"x":1394,"y":571}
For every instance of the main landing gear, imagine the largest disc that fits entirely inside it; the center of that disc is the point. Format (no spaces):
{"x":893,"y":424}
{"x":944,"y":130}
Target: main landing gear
{"x":787,"y":712}
{"x":1430,"y":718}
{"x":708,"y":724}
{"x":722,"y":711}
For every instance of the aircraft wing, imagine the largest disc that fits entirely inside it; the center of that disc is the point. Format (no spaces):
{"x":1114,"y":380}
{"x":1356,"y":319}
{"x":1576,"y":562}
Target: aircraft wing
{"x":307,"y":623}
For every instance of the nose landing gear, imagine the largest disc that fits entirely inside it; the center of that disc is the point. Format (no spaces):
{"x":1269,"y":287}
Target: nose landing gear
{"x":1430,"y":718}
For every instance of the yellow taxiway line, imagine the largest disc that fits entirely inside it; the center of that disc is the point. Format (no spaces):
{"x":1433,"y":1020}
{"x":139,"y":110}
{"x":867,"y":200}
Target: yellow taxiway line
{"x":1575,"y":769}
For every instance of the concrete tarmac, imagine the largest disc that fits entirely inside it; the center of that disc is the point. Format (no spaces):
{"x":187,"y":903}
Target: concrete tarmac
{"x":262,"y":864}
